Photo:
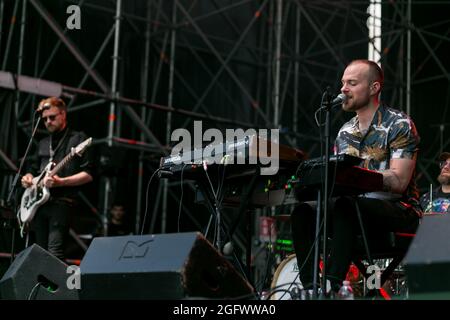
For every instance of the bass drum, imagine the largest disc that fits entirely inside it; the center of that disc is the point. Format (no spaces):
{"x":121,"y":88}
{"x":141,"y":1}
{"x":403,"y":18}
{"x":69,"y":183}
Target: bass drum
{"x":286,"y":279}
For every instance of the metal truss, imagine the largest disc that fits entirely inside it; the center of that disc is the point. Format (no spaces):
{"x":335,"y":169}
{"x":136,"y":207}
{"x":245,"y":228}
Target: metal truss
{"x":149,"y":67}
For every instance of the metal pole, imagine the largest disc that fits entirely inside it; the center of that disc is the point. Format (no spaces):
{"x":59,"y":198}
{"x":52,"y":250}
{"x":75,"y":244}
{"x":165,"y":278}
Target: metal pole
{"x":49,"y":58}
{"x":144,"y":96}
{"x":37,"y":60}
{"x":128,"y":102}
{"x":408,"y":61}
{"x":157,"y":74}
{"x":92,"y":65}
{"x":10,"y":34}
{"x":114,"y":93}
{"x":169,"y":114}
{"x":2,"y":4}
{"x":70,"y":45}
{"x":20,"y":57}
{"x":269,"y":58}
{"x":112,"y":111}
{"x":401,"y":73}
{"x":224,"y":62}
{"x":296,"y":72}
{"x":276,"y":89}
{"x":374,"y":25}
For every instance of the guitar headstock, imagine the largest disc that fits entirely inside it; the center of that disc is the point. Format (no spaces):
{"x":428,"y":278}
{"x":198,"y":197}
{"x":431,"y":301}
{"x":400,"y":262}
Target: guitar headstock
{"x":79,"y":149}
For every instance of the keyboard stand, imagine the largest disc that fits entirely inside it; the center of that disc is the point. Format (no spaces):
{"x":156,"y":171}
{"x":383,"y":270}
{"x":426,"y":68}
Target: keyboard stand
{"x":243,"y":211}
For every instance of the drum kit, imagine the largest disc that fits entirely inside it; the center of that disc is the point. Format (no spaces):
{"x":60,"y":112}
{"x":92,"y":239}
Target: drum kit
{"x":286,"y":284}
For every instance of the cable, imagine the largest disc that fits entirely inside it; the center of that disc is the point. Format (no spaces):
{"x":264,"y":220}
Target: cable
{"x":216,"y":212}
{"x":217,"y":225}
{"x":33,"y":290}
{"x":221,"y":195}
{"x":269,"y":258}
{"x":279,"y":290}
{"x":209,"y":180}
{"x":293,"y":282}
{"x":315,"y":117}
{"x":146,"y":199}
{"x":181,"y":197}
{"x":208,"y":226}
{"x":219,"y":180}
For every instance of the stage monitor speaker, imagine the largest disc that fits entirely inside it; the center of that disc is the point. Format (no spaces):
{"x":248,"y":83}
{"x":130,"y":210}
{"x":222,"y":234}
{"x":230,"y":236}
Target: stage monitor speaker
{"x":36,"y":274}
{"x":427,"y":262}
{"x":163,"y":266}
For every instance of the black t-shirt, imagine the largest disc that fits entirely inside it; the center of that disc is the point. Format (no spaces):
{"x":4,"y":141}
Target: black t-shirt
{"x":118,"y":229}
{"x":61,"y":143}
{"x":440,"y":202}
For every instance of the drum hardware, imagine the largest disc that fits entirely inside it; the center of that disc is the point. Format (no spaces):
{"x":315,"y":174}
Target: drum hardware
{"x":395,"y":285}
{"x":286,"y":284}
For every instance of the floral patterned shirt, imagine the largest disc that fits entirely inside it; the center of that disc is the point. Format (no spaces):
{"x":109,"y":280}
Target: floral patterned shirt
{"x":391,"y":135}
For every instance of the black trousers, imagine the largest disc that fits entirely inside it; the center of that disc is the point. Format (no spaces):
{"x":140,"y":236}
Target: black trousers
{"x":51,"y":226}
{"x":379,"y":218}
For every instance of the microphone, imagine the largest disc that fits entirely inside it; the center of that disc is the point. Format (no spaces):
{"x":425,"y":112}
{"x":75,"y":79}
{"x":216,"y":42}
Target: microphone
{"x":341,"y":98}
{"x":40,"y":109}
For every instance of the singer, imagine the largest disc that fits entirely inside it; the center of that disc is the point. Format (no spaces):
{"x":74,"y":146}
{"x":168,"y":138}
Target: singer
{"x":51,"y":222}
{"x":387,"y":141}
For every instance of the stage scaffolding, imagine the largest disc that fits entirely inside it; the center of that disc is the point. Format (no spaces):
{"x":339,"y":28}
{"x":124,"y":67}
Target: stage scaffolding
{"x":276,"y":56}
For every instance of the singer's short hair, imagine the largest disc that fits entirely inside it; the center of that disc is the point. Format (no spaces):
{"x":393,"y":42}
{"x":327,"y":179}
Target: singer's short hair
{"x":376,"y":73}
{"x":54,"y":102}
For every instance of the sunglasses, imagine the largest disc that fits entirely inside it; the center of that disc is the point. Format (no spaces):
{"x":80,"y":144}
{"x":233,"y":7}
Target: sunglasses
{"x":442,"y":164}
{"x":51,"y":117}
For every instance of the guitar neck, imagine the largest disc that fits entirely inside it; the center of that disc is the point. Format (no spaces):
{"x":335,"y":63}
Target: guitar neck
{"x":78,"y":150}
{"x":60,"y":165}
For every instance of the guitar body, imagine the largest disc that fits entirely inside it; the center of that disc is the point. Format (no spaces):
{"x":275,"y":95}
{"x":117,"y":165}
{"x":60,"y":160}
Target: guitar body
{"x":36,"y":195}
{"x":32,"y":199}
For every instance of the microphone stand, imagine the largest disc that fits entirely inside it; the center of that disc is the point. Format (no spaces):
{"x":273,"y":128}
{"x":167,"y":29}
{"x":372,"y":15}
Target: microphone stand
{"x":13,"y":186}
{"x":326,"y":105}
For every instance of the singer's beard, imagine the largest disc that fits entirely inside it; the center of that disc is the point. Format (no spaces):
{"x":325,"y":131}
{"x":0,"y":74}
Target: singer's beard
{"x":356,"y":102}
{"x":347,"y":107}
{"x":353,"y":105}
{"x":444,"y":179}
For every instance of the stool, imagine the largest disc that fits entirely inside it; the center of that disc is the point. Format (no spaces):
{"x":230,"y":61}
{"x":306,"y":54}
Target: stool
{"x":393,"y":246}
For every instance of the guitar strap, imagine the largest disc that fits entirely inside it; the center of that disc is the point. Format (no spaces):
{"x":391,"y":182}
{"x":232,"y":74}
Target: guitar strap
{"x":53,"y":151}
